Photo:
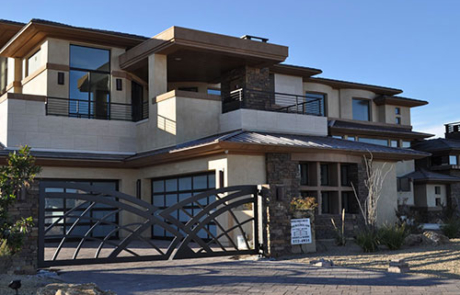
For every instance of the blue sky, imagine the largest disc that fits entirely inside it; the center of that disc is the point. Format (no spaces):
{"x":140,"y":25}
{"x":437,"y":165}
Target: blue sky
{"x":412,"y":44}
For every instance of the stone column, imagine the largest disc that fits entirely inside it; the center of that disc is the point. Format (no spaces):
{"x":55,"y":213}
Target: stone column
{"x":25,"y":262}
{"x":284,"y":179}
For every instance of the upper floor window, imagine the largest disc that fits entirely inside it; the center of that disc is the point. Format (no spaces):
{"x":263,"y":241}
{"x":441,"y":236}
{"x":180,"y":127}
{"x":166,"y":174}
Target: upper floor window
{"x":361,"y":109}
{"x":316,"y":102}
{"x":453,"y":160}
{"x":89,"y":85}
{"x":3,"y":74}
{"x":33,"y":62}
{"x":398,"y":120}
{"x":406,"y":144}
{"x":377,"y":141}
{"x":397,"y":111}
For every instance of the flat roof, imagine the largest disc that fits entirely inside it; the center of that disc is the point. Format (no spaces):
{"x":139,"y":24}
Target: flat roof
{"x":176,"y":38}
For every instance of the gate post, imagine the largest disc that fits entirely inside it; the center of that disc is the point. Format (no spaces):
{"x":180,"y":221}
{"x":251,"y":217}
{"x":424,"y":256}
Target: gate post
{"x":283,"y":177}
{"x":25,"y":261}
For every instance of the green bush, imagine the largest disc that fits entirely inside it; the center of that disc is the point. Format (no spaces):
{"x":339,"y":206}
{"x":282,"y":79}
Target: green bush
{"x":393,"y":236}
{"x":368,"y":240}
{"x":451,"y":228}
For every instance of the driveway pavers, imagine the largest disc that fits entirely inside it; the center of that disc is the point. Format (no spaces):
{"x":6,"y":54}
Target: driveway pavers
{"x":224,"y":276}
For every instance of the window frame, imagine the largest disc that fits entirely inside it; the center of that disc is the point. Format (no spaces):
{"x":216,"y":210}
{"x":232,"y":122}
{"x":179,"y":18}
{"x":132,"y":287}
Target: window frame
{"x":369,"y":109}
{"x":27,"y":62}
{"x":453,"y":157}
{"x":324,"y":100}
{"x":91,"y":110}
{"x":177,"y":192}
{"x":437,"y":190}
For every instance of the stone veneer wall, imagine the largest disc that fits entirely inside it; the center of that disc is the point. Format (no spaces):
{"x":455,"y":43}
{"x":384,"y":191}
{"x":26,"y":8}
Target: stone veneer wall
{"x":25,"y":262}
{"x":250,"y":78}
{"x":282,"y":172}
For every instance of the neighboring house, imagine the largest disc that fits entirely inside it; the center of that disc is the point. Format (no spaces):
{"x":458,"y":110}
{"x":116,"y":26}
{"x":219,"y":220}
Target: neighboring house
{"x":437,"y":178}
{"x":186,"y":111}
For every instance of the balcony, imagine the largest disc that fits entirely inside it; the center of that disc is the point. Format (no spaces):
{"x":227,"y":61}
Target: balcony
{"x":85,"y":109}
{"x":272,"y":101}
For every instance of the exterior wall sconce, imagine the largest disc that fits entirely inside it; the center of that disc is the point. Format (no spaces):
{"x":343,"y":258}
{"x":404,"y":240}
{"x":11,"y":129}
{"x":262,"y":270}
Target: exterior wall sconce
{"x":60,"y":78}
{"x":119,"y":84}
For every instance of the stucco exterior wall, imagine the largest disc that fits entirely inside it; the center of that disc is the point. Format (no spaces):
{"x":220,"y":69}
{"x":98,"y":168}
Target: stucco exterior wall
{"x":388,"y":201}
{"x":4,"y":122}
{"x":288,"y":84}
{"x":254,"y":120}
{"x":28,"y":124}
{"x":403,"y":168}
{"x":431,"y":195}
{"x":177,"y":120}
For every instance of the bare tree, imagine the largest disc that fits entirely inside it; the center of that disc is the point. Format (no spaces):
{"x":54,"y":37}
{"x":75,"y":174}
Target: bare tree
{"x":374,"y":181}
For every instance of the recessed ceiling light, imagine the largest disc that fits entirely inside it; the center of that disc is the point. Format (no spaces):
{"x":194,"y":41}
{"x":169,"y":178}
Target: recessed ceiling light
{"x":178,"y":59}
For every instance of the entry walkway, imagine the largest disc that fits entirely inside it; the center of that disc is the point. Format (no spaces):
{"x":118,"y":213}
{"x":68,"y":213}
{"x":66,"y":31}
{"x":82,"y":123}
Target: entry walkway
{"x":224,"y":276}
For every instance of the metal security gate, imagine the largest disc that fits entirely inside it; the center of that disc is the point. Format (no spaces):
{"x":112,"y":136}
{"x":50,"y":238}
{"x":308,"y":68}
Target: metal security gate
{"x":72,"y":234}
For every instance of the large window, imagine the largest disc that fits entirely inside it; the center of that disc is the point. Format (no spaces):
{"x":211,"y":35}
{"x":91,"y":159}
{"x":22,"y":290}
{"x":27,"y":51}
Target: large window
{"x":3,"y":74}
{"x":169,"y":191}
{"x":89,"y":84}
{"x":315,"y":103}
{"x":33,"y":62}
{"x":361,"y":109}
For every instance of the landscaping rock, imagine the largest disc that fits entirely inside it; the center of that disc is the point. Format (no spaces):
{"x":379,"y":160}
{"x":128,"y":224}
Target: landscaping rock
{"x":322,"y":263}
{"x":413,"y":240}
{"x":73,"y":289}
{"x":398,"y":266}
{"x":435,"y":238}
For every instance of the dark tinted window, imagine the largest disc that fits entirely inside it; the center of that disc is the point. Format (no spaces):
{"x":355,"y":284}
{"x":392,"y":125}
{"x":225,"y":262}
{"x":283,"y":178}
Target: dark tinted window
{"x":316,"y":103}
{"x":361,"y":110}
{"x":89,"y":58}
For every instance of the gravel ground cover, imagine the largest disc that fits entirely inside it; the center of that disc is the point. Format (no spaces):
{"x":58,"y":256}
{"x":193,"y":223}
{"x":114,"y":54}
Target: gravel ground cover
{"x":30,"y":284}
{"x":440,"y":261}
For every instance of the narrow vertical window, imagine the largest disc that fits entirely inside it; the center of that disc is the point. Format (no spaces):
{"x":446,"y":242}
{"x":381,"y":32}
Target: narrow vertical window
{"x":361,"y":109}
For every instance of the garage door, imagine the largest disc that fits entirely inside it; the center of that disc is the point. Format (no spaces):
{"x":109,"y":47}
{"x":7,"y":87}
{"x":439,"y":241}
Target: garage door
{"x":59,"y":207}
{"x":171,"y":190}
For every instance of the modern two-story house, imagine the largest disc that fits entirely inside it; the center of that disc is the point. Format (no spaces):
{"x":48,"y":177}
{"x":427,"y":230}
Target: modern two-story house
{"x":185,"y":111}
{"x":437,"y":178}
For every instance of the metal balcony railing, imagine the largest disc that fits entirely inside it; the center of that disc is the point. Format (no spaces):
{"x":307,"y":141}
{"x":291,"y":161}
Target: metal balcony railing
{"x":85,"y":109}
{"x":272,"y":101}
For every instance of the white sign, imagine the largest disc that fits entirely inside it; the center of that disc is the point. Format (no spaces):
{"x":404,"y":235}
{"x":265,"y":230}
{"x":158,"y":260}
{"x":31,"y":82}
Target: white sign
{"x":300,"y":231}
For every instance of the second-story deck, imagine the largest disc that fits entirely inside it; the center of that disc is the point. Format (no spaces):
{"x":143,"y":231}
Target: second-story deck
{"x":271,"y":101}
{"x":101,"y":110}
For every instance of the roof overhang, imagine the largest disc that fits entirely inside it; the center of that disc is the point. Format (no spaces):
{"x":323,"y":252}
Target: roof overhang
{"x":285,"y":69}
{"x":399,"y":101}
{"x":208,"y":149}
{"x":37,"y":30}
{"x":338,"y":84}
{"x":8,"y":29}
{"x":182,"y":41}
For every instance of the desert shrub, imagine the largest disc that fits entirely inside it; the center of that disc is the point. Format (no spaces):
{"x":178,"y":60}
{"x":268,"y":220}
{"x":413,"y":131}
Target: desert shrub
{"x":368,"y":240}
{"x":19,"y":171}
{"x":451,"y":228}
{"x":393,"y":236}
{"x":410,"y":218}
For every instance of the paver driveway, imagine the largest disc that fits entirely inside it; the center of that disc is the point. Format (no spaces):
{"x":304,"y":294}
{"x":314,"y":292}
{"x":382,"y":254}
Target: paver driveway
{"x":224,"y":276}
